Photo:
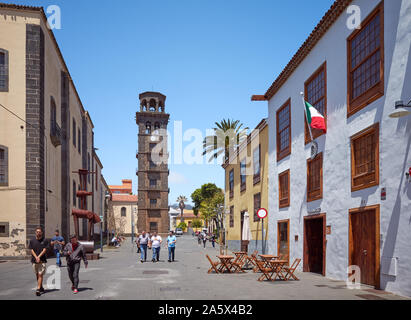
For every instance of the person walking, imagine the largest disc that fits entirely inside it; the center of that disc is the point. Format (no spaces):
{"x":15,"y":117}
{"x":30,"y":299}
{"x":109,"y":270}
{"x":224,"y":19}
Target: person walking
{"x":212,"y":239}
{"x":199,"y":238}
{"x":38,"y":247}
{"x":58,"y":244}
{"x":74,"y":252}
{"x":204,"y":238}
{"x":142,"y":242}
{"x":155,"y":245}
{"x":171,"y":243}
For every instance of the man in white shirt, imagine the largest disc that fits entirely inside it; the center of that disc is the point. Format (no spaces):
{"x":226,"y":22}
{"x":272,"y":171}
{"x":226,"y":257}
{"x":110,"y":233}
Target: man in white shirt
{"x":155,"y":245}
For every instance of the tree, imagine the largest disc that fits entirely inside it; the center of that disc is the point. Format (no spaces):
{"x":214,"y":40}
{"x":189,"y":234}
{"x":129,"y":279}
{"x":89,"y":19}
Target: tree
{"x":182,"y":226}
{"x":228,"y":135}
{"x":207,"y":191}
{"x":211,"y":209}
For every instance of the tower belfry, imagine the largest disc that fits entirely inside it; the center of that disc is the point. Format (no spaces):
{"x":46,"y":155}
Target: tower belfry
{"x":152,"y":157}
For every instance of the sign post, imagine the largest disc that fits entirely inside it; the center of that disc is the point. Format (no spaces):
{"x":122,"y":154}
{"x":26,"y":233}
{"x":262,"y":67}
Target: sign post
{"x":262,"y":214}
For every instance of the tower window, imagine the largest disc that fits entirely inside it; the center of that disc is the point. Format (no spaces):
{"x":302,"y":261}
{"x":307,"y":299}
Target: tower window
{"x":148,"y":127}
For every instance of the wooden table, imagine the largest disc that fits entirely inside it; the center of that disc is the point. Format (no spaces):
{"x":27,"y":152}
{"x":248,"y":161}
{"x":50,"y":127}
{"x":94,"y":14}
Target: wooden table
{"x":277,"y":266}
{"x":267,"y":258}
{"x":225,"y":263}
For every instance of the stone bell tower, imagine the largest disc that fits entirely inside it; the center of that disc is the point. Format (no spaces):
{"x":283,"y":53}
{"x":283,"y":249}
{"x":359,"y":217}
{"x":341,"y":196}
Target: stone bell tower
{"x":152,"y":158}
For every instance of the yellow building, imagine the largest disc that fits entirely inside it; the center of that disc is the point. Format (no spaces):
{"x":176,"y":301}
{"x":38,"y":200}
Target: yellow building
{"x":45,"y":135}
{"x":189,"y":217}
{"x":246,"y":183}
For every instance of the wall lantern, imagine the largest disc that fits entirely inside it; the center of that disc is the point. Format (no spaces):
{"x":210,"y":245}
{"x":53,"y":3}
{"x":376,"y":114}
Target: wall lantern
{"x":400,"y":110}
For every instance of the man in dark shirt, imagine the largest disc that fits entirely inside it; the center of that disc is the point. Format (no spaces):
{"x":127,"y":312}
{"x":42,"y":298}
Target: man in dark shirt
{"x":38,"y":247}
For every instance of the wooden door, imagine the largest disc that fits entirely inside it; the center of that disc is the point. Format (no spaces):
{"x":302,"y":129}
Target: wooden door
{"x":283,"y":239}
{"x":363,"y":246}
{"x":314,"y":244}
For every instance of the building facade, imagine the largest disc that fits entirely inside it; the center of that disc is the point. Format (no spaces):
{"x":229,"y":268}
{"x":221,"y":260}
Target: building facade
{"x":246,"y":186}
{"x":152,"y":157}
{"x":45,"y":133}
{"x":122,"y":207}
{"x":348,"y":203}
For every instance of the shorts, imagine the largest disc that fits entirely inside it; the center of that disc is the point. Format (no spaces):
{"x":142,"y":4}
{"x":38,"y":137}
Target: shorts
{"x":39,"y":268}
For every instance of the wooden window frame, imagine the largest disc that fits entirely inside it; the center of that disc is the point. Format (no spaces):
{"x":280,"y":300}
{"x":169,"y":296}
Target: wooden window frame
{"x":315,"y":132}
{"x":231,"y":188}
{"x":231,"y":217}
{"x":281,"y":154}
{"x":6,"y":166}
{"x":311,"y":198}
{"x":243,"y":184}
{"x":256,"y":217}
{"x":257,"y":176}
{"x":281,"y":202}
{"x":377,"y":91}
{"x":376,"y":182}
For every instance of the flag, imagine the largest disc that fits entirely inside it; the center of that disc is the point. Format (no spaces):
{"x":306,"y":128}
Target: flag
{"x":314,"y":118}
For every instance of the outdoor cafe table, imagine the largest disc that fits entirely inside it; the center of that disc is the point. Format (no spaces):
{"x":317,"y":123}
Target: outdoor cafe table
{"x":267,"y":258}
{"x":225,"y":263}
{"x":277,"y":266}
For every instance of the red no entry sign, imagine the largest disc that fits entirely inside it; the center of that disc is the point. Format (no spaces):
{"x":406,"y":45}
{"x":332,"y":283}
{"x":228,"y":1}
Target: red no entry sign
{"x":262,"y":213}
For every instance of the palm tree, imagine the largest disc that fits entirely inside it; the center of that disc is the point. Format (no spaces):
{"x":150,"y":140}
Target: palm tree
{"x":229,"y":134}
{"x":181,"y":203}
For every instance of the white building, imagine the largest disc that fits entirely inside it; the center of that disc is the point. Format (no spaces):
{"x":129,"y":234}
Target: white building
{"x":351,"y":204}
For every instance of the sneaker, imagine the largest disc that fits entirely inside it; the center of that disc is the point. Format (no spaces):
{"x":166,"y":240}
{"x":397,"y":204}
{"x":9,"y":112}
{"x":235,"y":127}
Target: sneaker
{"x":38,"y":294}
{"x":75,"y":291}
{"x":153,"y":260}
{"x":141,"y":261}
{"x":169,"y":260}
{"x":42,"y":289}
{"x":72,"y":288}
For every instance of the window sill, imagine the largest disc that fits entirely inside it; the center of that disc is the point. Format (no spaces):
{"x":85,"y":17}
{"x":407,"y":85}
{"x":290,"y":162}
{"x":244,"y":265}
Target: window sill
{"x":364,"y":100}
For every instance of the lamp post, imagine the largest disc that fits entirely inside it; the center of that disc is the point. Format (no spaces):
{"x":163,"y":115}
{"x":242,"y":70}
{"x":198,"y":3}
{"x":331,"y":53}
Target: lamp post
{"x":400,"y":109}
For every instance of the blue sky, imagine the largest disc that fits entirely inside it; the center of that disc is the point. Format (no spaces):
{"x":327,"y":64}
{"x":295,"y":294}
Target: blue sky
{"x":207,"y":56}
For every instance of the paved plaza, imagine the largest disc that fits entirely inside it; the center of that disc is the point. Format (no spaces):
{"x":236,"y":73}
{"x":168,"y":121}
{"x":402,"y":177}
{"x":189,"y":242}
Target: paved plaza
{"x":120,"y":275}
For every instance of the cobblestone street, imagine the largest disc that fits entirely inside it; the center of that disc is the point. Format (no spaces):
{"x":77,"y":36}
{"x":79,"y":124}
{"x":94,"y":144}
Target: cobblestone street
{"x":120,"y":275}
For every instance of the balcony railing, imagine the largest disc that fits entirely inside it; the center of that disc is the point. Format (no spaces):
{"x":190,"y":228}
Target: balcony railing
{"x":55,"y":134}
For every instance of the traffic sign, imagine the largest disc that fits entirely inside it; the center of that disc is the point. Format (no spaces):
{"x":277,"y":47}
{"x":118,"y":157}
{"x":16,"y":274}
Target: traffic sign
{"x":262,"y":213}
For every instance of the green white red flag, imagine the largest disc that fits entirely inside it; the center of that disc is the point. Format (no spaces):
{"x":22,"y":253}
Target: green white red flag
{"x":314,"y":118}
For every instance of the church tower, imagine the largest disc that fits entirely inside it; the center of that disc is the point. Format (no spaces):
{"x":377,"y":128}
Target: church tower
{"x":152,"y":158}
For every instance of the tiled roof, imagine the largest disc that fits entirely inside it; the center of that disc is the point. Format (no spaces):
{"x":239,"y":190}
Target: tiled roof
{"x":338,"y":7}
{"x":118,"y":197}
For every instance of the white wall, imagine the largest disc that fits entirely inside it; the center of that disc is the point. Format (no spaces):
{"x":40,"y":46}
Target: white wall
{"x":395,"y":140}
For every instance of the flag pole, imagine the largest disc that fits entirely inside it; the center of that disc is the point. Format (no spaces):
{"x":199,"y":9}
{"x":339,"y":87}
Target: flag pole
{"x":306,"y":117}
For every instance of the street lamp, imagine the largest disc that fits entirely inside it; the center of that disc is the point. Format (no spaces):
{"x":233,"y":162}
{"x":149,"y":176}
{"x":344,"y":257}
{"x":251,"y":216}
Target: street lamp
{"x":400,"y":109}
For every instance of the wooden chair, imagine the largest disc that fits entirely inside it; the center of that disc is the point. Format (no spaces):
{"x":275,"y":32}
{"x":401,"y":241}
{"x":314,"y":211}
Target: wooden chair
{"x":214,"y":265}
{"x":266,"y":272}
{"x":250,"y":261}
{"x":290,"y":270}
{"x":237,"y":266}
